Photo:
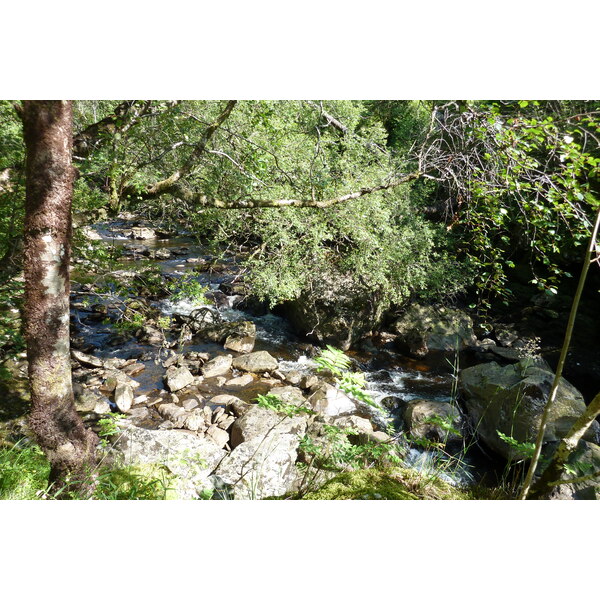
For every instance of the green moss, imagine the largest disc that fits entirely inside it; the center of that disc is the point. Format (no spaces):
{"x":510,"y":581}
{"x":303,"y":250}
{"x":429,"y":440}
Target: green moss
{"x":395,"y":484}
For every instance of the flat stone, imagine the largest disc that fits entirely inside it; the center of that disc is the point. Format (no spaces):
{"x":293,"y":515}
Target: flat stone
{"x":190,"y":403}
{"x":256,"y":362}
{"x":224,"y":399}
{"x":217,"y":366}
{"x":86,"y":359}
{"x":134,"y":369}
{"x":239,"y":382}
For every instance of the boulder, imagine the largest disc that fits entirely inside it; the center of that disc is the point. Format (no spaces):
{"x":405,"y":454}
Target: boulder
{"x":263,"y":462}
{"x":424,"y":328}
{"x":177,"y":378}
{"x":256,"y":362}
{"x":242,"y":338}
{"x":335,"y":310}
{"x":191,"y":458}
{"x":258,"y":422}
{"x":217,"y":366}
{"x":328,"y":400}
{"x":511,"y":400}
{"x":142,"y":233}
{"x":433,"y":420}
{"x":219,"y":436}
{"x":584,"y":460}
{"x":358,"y":424}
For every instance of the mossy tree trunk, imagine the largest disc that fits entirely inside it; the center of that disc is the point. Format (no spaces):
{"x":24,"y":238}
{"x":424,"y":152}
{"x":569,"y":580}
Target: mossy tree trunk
{"x":58,"y":428}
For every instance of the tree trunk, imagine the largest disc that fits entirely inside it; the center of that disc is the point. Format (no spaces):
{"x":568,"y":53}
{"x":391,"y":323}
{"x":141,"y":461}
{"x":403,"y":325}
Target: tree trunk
{"x":59,"y":430}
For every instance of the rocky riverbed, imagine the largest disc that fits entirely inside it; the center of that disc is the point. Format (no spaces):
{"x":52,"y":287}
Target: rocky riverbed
{"x":186,"y":375}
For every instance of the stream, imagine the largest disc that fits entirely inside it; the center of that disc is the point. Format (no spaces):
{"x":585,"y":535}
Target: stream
{"x":392,"y":379}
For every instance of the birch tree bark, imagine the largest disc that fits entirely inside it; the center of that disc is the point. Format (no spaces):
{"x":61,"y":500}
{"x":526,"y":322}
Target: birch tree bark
{"x":59,"y":430}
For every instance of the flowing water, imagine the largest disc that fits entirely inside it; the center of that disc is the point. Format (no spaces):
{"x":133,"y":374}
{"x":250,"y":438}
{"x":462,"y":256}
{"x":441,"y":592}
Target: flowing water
{"x":392,"y":379}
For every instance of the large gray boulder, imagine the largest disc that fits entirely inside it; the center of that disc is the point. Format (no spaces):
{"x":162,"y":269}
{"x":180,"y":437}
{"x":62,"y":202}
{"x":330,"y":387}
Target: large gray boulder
{"x":424,"y":328}
{"x":511,"y":400}
{"x":263,"y":464}
{"x":258,"y":422}
{"x":190,"y":458}
{"x":335,"y":310}
{"x":256,"y":362}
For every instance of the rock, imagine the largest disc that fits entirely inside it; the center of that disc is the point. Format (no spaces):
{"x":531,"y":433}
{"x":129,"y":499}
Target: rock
{"x":424,"y":328}
{"x":393,"y":404}
{"x":115,"y":377}
{"x":115,"y":363}
{"x":511,"y":400}
{"x":217,"y":366}
{"x":224,"y":421}
{"x":584,"y":460}
{"x":161,"y":254}
{"x":102,"y":406}
{"x":142,"y":233}
{"x":336,"y":310}
{"x":328,"y":400}
{"x":239,"y":382}
{"x":256,"y":362}
{"x":86,"y":359}
{"x":139,"y":414}
{"x":293,"y":377}
{"x":191,"y":458}
{"x":190,"y":403}
{"x":151,"y":335}
{"x":196,"y":421}
{"x":224,"y":399}
{"x":176,"y":414}
{"x":123,"y":397}
{"x":290,"y":395}
{"x":433,"y":420}
{"x":89,"y":233}
{"x":260,"y":422}
{"x":359,"y":424}
{"x":86,"y":399}
{"x":242,"y":339}
{"x":264,"y":463}
{"x":217,"y":435}
{"x":177,"y":378}
{"x":377,"y":437}
{"x":506,"y":336}
{"x":309,"y":381}
{"x":134,"y":368}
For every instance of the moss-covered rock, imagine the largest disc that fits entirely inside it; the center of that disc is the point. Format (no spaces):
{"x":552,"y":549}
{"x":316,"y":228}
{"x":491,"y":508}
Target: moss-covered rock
{"x":396,"y":484}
